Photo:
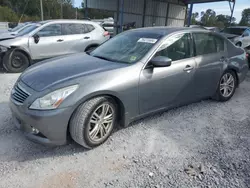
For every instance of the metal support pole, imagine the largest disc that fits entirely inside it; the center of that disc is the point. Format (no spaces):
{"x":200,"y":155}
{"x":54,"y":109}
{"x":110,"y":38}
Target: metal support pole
{"x":41,"y":5}
{"x":117,"y":17}
{"x":61,"y":9}
{"x":190,"y":14}
{"x":144,"y":12}
{"x":121,"y":15}
{"x":232,"y":12}
{"x":86,"y":8}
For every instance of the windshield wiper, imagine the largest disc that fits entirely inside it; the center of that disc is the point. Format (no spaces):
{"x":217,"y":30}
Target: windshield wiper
{"x":101,"y":57}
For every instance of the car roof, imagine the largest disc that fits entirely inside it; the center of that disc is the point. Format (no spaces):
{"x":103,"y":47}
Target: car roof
{"x":168,"y":30}
{"x":66,"y":21}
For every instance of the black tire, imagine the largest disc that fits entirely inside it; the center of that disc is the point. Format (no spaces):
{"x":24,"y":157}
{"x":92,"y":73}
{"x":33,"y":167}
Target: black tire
{"x":90,"y":48}
{"x":218,"y":95}
{"x":79,"y":126}
{"x":15,"y":61}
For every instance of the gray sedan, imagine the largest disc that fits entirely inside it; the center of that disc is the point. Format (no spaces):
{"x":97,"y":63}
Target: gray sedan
{"x":137,"y":73}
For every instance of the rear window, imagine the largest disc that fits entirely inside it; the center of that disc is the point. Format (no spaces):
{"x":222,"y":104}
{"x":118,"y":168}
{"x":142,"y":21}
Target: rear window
{"x":74,"y":29}
{"x":90,"y":27}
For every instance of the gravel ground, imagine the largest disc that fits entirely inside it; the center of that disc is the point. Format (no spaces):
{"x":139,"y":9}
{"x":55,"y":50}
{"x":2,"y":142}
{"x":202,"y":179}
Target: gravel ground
{"x":204,"y":144}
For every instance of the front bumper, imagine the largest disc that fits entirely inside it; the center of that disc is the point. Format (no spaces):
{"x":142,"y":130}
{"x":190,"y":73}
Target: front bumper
{"x":52,"y":124}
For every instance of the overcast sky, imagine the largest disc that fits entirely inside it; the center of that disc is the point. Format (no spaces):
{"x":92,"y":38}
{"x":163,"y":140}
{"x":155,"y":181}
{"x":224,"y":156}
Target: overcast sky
{"x":218,"y":7}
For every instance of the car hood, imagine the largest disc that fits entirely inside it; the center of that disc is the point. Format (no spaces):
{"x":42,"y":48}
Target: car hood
{"x":54,"y":71}
{"x":6,"y":36}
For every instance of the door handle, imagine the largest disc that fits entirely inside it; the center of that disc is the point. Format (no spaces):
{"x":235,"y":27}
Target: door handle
{"x":60,"y":40}
{"x":188,"y":68}
{"x":86,"y":37}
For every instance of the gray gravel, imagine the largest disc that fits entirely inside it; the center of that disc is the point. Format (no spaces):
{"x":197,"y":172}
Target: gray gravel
{"x":204,"y":144}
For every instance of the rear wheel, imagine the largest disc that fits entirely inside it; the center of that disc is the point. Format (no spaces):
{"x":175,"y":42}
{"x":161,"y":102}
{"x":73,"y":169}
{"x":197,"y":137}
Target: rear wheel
{"x":227,"y":86}
{"x":93,"y":122}
{"x":15,"y":61}
{"x":90,"y":48}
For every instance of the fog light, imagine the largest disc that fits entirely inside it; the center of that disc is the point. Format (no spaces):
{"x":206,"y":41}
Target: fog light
{"x":35,"y":131}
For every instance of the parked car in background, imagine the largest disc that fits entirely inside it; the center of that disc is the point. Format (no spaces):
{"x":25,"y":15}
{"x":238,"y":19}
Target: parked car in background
{"x":4,"y":26}
{"x":52,"y":38}
{"x":15,"y":31}
{"x":134,"y":74}
{"x":214,"y":29}
{"x":108,"y":26}
{"x":239,"y":35}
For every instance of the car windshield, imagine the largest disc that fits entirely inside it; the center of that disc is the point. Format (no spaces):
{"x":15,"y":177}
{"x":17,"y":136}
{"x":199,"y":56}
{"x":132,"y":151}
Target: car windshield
{"x":235,"y":31}
{"x":17,"y":28}
{"x":128,"y":47}
{"x":27,"y":30}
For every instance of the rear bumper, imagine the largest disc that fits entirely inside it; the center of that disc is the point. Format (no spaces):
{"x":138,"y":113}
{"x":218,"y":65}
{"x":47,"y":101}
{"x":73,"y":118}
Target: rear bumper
{"x":52,"y":124}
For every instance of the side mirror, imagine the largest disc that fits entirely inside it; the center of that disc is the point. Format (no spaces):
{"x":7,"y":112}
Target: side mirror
{"x":36,"y":38}
{"x":161,"y":61}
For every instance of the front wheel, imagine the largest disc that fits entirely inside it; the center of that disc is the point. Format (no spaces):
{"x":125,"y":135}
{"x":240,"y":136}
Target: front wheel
{"x":227,"y":86}
{"x":15,"y":61}
{"x":93,"y":122}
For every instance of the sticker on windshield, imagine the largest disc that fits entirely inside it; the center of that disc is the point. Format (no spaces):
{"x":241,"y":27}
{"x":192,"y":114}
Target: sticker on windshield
{"x":147,"y":40}
{"x":133,"y":58}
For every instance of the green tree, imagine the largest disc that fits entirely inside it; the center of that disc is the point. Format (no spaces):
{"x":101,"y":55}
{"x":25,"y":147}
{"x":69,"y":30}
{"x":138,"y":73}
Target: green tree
{"x":194,"y":18}
{"x":208,"y":18}
{"x":224,"y":21}
{"x":6,"y":14}
{"x":245,"y":19}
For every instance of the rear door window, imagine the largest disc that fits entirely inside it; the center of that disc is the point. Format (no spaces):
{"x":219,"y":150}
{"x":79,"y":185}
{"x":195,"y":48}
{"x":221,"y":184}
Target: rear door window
{"x":205,"y":43}
{"x":73,"y":29}
{"x":219,"y":43}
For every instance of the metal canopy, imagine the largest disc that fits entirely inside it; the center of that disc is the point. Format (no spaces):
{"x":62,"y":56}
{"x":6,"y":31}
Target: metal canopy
{"x":203,"y":1}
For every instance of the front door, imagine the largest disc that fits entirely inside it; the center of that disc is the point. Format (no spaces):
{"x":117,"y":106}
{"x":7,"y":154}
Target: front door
{"x":50,"y":43}
{"x":163,"y":87}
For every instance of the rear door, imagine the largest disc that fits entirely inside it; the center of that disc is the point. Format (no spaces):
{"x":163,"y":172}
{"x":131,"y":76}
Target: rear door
{"x":162,"y":87}
{"x":211,"y":56}
{"x":50,"y":42}
{"x":77,"y":36}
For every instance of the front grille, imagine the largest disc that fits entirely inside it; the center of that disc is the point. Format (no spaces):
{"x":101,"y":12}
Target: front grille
{"x":19,"y":94}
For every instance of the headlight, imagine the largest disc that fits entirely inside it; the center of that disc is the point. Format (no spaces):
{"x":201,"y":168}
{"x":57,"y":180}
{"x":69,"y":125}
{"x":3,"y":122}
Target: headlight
{"x":3,"y":49}
{"x":53,"y":99}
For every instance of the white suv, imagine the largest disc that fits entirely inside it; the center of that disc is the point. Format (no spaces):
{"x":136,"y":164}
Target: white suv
{"x":50,"y":39}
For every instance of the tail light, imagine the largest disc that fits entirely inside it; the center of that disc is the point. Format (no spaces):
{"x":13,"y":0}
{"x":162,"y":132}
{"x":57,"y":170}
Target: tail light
{"x":106,"y":33}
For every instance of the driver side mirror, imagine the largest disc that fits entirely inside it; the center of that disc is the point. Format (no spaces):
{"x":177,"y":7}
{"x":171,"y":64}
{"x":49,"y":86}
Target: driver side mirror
{"x":161,"y":61}
{"x":36,"y":38}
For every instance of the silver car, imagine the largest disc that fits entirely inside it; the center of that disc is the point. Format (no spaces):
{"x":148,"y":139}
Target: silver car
{"x":52,"y":38}
{"x":136,"y":73}
{"x":17,"y":31}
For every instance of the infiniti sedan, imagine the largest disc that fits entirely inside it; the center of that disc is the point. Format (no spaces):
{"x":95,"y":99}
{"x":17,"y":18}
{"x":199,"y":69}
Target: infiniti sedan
{"x":137,"y":73}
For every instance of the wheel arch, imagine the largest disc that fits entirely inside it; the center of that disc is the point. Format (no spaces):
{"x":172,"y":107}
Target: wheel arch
{"x":23,"y":50}
{"x":236,"y":71}
{"x":115,"y":98}
{"x":91,"y":45}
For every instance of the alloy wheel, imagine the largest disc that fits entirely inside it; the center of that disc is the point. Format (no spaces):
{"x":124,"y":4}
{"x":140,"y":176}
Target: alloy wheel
{"x":101,"y":122}
{"x":227,"y":85}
